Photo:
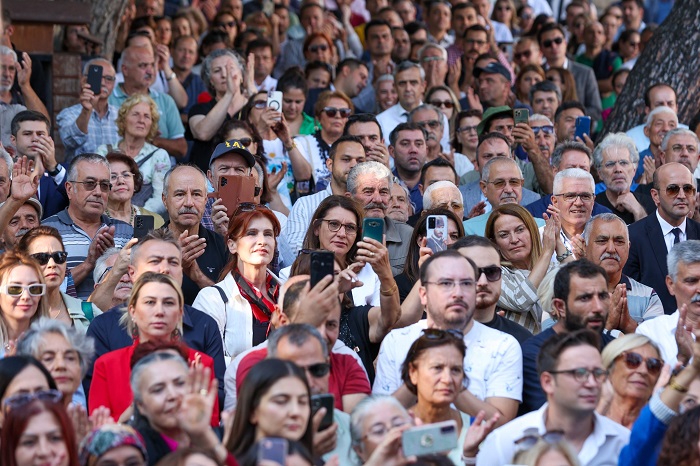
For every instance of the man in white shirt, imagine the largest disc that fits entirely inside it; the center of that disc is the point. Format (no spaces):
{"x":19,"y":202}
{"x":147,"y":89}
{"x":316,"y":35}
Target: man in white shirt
{"x":657,"y":95}
{"x":494,"y":359}
{"x":572,"y":375}
{"x":264,"y":63}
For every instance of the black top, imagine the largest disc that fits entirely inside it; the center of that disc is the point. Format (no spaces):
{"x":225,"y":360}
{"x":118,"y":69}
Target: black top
{"x":513,"y":329}
{"x":645,"y":200}
{"x":201,"y":150}
{"x":354,"y":332}
{"x":405,"y":285}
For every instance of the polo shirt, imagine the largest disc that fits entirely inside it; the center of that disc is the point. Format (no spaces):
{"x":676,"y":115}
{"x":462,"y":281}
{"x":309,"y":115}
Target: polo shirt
{"x":170,"y":124}
{"x":642,"y":301}
{"x":77,"y":243}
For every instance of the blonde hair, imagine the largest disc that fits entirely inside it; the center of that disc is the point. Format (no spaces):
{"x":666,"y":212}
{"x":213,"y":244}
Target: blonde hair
{"x":130,"y":103}
{"x":531,"y":456}
{"x":149,"y":277}
{"x":521,"y":213}
{"x":625,"y":343}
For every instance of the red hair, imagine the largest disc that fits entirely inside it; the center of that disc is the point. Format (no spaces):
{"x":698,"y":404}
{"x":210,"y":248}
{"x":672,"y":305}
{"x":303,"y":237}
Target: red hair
{"x":16,"y":422}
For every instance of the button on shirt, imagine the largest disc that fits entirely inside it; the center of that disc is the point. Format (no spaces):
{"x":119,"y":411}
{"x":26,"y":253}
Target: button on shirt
{"x":667,"y":231}
{"x":101,"y":130}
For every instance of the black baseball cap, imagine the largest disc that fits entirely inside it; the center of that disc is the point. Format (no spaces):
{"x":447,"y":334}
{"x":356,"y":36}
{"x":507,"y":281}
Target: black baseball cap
{"x":232,"y":146}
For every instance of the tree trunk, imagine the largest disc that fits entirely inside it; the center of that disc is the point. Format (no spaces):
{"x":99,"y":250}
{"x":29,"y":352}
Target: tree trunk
{"x":672,"y":56}
{"x":106,"y":15}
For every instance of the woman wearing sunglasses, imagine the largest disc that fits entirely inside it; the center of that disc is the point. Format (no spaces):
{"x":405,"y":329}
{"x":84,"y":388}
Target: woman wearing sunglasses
{"x":319,"y":47}
{"x":245,"y":298}
{"x":634,"y":364}
{"x":445,"y":99}
{"x":22,"y":300}
{"x":45,"y":245}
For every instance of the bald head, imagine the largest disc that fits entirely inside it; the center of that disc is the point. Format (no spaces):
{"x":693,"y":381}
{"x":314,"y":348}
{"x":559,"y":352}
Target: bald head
{"x":138,"y":67}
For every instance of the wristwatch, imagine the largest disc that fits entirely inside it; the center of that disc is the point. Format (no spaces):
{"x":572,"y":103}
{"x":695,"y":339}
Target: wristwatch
{"x":172,"y":76}
{"x":55,"y":171}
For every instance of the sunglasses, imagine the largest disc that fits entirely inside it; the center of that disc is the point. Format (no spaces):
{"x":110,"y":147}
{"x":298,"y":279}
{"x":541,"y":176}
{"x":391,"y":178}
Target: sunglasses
{"x":548,"y":43}
{"x":245,"y":142}
{"x":438,"y":334}
{"x":501,"y":183}
{"x":260,"y":104}
{"x":18,"y":401}
{"x":58,"y":257}
{"x":467,"y":129}
{"x":492,"y":272}
{"x":90,"y":185}
{"x":37,"y":289}
{"x":544,"y":129}
{"x":316,"y":48}
{"x":674,"y":189}
{"x":442,"y":103}
{"x":317,"y":370}
{"x":432,"y":124}
{"x":249,"y":207}
{"x":525,"y":54}
{"x":633,"y":360}
{"x":331,"y":112}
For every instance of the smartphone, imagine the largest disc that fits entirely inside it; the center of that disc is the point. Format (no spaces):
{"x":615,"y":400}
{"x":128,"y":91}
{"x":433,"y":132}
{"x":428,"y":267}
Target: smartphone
{"x":373,"y":228}
{"x":274,"y":100}
{"x":436,"y":232}
{"x":430,"y":439}
{"x":273,"y":449}
{"x":94,"y":79}
{"x":583,"y":126}
{"x":521,"y":115}
{"x":142,"y":225}
{"x":234,"y":190}
{"x":327,"y":401}
{"x":507,"y":49}
{"x":322,"y":263}
{"x":268,"y":7}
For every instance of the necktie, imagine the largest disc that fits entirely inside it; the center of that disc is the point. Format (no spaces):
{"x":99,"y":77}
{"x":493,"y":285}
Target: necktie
{"x":676,"y":235}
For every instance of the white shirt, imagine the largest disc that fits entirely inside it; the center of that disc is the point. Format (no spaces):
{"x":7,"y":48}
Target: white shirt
{"x":640,"y":140}
{"x":493,"y":362}
{"x":392,"y":116}
{"x":662,"y":331}
{"x":666,"y":228}
{"x":292,"y":235}
{"x":276,"y":155}
{"x":462,"y":165}
{"x":268,"y":84}
{"x":601,"y":448}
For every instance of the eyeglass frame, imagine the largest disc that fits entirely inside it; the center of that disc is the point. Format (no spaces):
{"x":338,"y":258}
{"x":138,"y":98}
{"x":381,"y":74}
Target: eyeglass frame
{"x":21,"y":399}
{"x":341,"y":225}
{"x":3,"y":290}
{"x":577,"y":374}
{"x":101,"y":184}
{"x":576,"y":196}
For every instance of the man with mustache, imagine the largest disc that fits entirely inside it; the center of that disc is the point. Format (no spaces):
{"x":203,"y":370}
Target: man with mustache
{"x":607,"y":244}
{"x":447,"y":292}
{"x":408,"y":146}
{"x":204,"y":252}
{"x":580,"y":300}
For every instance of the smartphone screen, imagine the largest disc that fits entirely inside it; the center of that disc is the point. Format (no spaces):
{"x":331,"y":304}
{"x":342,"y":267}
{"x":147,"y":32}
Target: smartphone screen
{"x":436,"y":232}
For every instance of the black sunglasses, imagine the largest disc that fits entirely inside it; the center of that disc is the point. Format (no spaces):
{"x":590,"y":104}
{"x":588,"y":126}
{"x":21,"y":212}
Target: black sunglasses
{"x":492,"y":272}
{"x":58,"y":257}
{"x":548,"y":43}
{"x":317,"y":370}
{"x":333,"y":111}
{"x":545,"y":129}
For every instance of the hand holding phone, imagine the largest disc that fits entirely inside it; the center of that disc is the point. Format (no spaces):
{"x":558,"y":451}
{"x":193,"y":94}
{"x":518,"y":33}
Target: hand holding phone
{"x":94,"y":79}
{"x":322,"y":264}
{"x":373,"y":228}
{"x":583,"y":127}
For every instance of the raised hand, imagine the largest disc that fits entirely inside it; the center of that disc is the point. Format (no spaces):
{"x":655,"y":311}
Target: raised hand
{"x":219,"y":216}
{"x":276,"y":177}
{"x":687,"y":347}
{"x":196,"y":407}
{"x":347,"y":278}
{"x":477,"y":432}
{"x":24,"y":182}
{"x":24,"y":70}
{"x":192,"y":248}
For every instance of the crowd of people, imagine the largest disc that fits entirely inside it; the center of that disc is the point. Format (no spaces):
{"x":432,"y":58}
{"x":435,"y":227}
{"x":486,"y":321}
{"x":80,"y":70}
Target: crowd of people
{"x":503,"y":272}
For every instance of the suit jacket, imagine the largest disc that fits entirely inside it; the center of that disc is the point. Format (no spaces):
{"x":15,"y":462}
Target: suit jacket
{"x":471,"y":195}
{"x":53,"y":198}
{"x":647,"y":258}
{"x":587,"y":89}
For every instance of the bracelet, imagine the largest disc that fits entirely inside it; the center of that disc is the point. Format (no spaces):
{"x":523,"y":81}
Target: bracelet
{"x":469,"y":461}
{"x":390,"y":291}
{"x":564,"y":256}
{"x":292,"y":147}
{"x":676,"y":386}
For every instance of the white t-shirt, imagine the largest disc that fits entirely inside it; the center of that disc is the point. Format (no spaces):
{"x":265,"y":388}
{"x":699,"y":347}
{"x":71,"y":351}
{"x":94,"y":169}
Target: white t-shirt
{"x":275,"y":155}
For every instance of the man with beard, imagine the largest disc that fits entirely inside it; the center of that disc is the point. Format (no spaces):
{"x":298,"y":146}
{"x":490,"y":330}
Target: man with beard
{"x":488,"y":285}
{"x":408,"y":147}
{"x":608,"y":245}
{"x":344,"y":154}
{"x":581,"y":300}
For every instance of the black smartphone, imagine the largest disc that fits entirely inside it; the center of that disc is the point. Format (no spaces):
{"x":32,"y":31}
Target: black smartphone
{"x":327,"y":400}
{"x":94,"y":78}
{"x":142,"y":225}
{"x":583,"y":126}
{"x":273,"y":449}
{"x":373,"y":228}
{"x":521,"y":115}
{"x":322,"y":263}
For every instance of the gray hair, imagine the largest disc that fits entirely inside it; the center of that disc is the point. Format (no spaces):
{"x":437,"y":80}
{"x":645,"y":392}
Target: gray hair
{"x":94,"y":61}
{"x":4,"y":50}
{"x":615,"y":140}
{"x":687,"y":252}
{"x":432,"y":45}
{"x":206,"y":66}
{"x":487,"y":168}
{"x":371,"y":167}
{"x":407,"y":65}
{"x":31,"y":342}
{"x":166,"y":177}
{"x":430,"y":107}
{"x":143,"y":364}
{"x":571,"y":173}
{"x":89,"y":158}
{"x":658,"y":110}
{"x":564,"y":147}
{"x":407,"y":192}
{"x":101,"y":263}
{"x":367,"y":406}
{"x":544,"y":86}
{"x":298,"y":334}
{"x":606,"y":217}
{"x":427,"y":194}
{"x":539,"y":118}
{"x":4,"y":155}
{"x":384,"y":77}
{"x":673,"y":132}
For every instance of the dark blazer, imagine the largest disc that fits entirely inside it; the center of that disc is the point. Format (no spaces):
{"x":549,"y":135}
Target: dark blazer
{"x":587,"y":89}
{"x":647,"y":259}
{"x":53,"y":198}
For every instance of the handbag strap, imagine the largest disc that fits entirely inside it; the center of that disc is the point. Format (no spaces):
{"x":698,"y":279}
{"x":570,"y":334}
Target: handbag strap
{"x":145,"y":159}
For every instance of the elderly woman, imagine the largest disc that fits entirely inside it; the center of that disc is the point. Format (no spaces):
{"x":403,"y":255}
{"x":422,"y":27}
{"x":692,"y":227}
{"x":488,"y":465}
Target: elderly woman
{"x":45,"y":245}
{"x":127,"y":180}
{"x":332,"y":110}
{"x":22,"y":301}
{"x":22,"y":375}
{"x":634,"y":364}
{"x":154,"y":316}
{"x":245,"y":298}
{"x":524,"y":260}
{"x":113,"y":444}
{"x":137,"y":124}
{"x":376,"y":425}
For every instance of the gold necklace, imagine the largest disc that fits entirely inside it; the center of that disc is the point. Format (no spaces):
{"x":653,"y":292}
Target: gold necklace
{"x":57,"y":314}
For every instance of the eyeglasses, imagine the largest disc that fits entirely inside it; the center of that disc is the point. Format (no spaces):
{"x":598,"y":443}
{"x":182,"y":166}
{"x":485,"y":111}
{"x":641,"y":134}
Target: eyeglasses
{"x":432,"y":124}
{"x":571,"y":197}
{"x":379,"y":431}
{"x":612,"y":163}
{"x":673,"y":190}
{"x":442,"y":103}
{"x":513,"y":183}
{"x":526,"y":16}
{"x":22,"y":399}
{"x":331,"y":112}
{"x":545,"y":129}
{"x":109,"y":79}
{"x":90,"y":185}
{"x":439,"y":334}
{"x":334,"y":226}
{"x":548,"y":43}
{"x":114,"y":177}
{"x":581,"y":374}
{"x":429,"y":59}
{"x":492,"y":272}
{"x":99,"y":280}
{"x":467,"y":129}
{"x":318,"y":370}
{"x":260,"y":104}
{"x":447,"y":286}
{"x":245,"y":142}
{"x":525,"y":54}
{"x":316,"y":48}
{"x":633,"y":360}
{"x":58,"y":257}
{"x":37,"y":289}
{"x":531,"y":437}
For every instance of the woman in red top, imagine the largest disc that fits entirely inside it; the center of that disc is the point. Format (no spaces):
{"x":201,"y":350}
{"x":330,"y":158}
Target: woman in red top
{"x":154,"y":315}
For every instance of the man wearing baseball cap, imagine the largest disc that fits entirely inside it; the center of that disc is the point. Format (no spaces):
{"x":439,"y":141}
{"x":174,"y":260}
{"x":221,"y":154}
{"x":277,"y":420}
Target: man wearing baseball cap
{"x":231,"y":157}
{"x":493,"y":84}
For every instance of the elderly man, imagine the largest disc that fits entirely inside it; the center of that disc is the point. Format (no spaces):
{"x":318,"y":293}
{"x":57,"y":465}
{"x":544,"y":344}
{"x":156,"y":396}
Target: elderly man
{"x":408,"y":147}
{"x":653,"y":237}
{"x":545,"y":98}
{"x":87,"y":232}
{"x":400,"y":206}
{"x":615,"y":159}
{"x":91,"y":123}
{"x":659,"y":122}
{"x":443,"y":195}
{"x":493,"y":85}
{"x":120,"y":286}
{"x":657,"y":95}
{"x":433,"y":59}
{"x":573,"y":198}
{"x":608,"y":245}
{"x":369,"y":183}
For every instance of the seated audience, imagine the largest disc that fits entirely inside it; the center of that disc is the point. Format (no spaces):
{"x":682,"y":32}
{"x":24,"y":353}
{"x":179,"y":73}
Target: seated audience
{"x":22,"y":375}
{"x":113,"y":442}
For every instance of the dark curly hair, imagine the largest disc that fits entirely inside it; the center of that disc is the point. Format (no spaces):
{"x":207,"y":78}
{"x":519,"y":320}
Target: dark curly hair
{"x":431,"y":338}
{"x":680,"y":445}
{"x":133,"y":167}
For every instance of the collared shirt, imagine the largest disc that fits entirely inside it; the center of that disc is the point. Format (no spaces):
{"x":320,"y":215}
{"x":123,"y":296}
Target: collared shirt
{"x":447,"y":40}
{"x":170,"y":124}
{"x":268,"y":84}
{"x":493,"y":362}
{"x":398,"y":238}
{"x":662,"y":331}
{"x":392,"y":116}
{"x":642,"y":301}
{"x":101,"y":130}
{"x":77,"y":243}
{"x":293,"y":233}
{"x":666,"y":228}
{"x":601,"y":448}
